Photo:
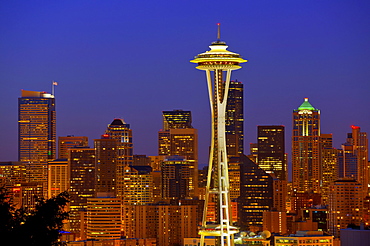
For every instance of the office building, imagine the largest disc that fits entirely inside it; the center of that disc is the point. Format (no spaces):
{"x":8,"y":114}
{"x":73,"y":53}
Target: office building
{"x":353,"y":158}
{"x":120,"y":131}
{"x":82,"y":175}
{"x":105,"y":164}
{"x":58,"y":177}
{"x":303,"y":238}
{"x":12,"y":174}
{"x":70,"y":141}
{"x":329,"y":162}
{"x":104,"y":219}
{"x":36,"y":134}
{"x":180,"y":138}
{"x":271,"y":150}
{"x":176,"y":178}
{"x":256,"y":194}
{"x":306,"y":148}
{"x":169,"y":224}
{"x":275,"y":222}
{"x":176,"y":119}
{"x":346,"y":205}
{"x":234,"y":121}
{"x":138,"y":185}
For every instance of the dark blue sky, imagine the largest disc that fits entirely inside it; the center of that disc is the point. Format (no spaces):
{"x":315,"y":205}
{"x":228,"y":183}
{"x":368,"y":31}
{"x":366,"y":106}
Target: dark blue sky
{"x":130,"y":59}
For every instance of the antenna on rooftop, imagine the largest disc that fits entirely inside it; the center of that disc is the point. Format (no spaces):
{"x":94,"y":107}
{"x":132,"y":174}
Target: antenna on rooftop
{"x":218,"y":31}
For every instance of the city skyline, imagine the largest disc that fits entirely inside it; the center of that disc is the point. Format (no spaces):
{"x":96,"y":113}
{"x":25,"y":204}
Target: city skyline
{"x":110,"y":67}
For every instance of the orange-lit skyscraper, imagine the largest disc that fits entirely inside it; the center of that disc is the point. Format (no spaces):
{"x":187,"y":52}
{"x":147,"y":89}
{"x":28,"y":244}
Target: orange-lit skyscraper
{"x":65,"y":143}
{"x":121,"y":132}
{"x":36,"y":133}
{"x":271,"y":150}
{"x":306,"y":148}
{"x":178,"y":137}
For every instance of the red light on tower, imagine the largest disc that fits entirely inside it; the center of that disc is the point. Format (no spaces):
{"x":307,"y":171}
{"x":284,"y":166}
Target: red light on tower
{"x":355,"y":127}
{"x":105,"y":136}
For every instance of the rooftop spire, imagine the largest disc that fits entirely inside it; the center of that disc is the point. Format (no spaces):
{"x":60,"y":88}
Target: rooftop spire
{"x":218,"y":32}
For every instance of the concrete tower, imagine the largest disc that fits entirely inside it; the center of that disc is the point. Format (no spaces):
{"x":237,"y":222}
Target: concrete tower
{"x":218,"y":64}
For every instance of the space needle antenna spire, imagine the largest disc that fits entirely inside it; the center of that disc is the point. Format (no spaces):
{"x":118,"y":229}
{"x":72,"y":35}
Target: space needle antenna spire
{"x":218,"y":31}
{"x":218,"y":64}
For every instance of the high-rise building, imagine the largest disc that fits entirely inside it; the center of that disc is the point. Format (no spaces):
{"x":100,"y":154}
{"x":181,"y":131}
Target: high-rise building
{"x":82,"y":174}
{"x":256,"y":194}
{"x":105,"y":164}
{"x":234,"y":121}
{"x":58,"y":177}
{"x":36,"y":133}
{"x":271,"y":150}
{"x":70,"y":141}
{"x":169,"y":224}
{"x":176,"y":119}
{"x":121,"y":132}
{"x":180,"y":138}
{"x":103,"y":217}
{"x":356,"y":148}
{"x":329,"y":159}
{"x":346,"y":205}
{"x":218,"y":64}
{"x":138,"y":185}
{"x":12,"y":174}
{"x":306,"y":148}
{"x":176,"y":178}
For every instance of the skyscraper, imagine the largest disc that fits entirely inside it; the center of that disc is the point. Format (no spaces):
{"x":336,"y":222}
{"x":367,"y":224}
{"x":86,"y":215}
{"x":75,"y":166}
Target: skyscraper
{"x":358,"y":144}
{"x":105,"y":164}
{"x":234,"y":121}
{"x":70,"y":141}
{"x":120,"y":131}
{"x":36,"y":133}
{"x":306,"y":148}
{"x":220,"y":62}
{"x":82,"y":174}
{"x":271,"y":150}
{"x":178,"y":137}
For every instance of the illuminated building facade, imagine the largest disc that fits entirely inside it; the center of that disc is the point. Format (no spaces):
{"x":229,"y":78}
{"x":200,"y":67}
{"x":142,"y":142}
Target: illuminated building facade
{"x":176,"y":176}
{"x":306,"y":148}
{"x":105,"y":164}
{"x":353,"y":158}
{"x":218,"y":64}
{"x":12,"y":174}
{"x":305,"y":238}
{"x":329,"y":162}
{"x":82,"y":175}
{"x":169,"y":224}
{"x":121,"y":132}
{"x":271,"y":150}
{"x":180,"y":138}
{"x":176,"y":119}
{"x":137,"y":185}
{"x":234,"y":128}
{"x":346,"y":205}
{"x":58,"y":177}
{"x":36,"y":133}
{"x":70,"y":141}
{"x":275,"y":222}
{"x":104,"y":220}
{"x":256,"y":194}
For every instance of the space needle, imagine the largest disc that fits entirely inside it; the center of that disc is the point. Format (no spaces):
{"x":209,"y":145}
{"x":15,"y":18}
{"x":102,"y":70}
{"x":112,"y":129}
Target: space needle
{"x":218,"y":64}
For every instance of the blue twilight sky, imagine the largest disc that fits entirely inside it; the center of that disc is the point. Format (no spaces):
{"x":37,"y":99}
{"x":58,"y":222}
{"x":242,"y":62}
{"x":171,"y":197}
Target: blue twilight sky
{"x":130,"y":59}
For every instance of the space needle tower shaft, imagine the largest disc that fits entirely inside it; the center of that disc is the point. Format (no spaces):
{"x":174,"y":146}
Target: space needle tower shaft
{"x":218,"y":64}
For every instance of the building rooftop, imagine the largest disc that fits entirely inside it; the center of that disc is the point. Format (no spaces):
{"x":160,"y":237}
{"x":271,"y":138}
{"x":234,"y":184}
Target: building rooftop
{"x":306,"y":105}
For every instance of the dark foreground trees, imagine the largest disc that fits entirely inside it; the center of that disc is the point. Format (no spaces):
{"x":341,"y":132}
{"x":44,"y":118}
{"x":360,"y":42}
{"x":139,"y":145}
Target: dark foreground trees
{"x":39,"y":227}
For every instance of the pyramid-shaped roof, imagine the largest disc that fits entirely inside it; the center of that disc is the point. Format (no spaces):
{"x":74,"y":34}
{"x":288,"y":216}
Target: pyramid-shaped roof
{"x":306,"y":105}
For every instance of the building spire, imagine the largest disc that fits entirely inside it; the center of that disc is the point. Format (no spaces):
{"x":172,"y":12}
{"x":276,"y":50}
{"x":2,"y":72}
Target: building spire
{"x":218,"y":32}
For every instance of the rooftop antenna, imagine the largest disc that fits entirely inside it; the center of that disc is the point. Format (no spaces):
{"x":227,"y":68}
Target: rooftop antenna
{"x":218,"y":32}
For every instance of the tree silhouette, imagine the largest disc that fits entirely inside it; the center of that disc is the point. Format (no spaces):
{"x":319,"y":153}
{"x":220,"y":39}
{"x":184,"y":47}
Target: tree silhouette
{"x":39,"y":227}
